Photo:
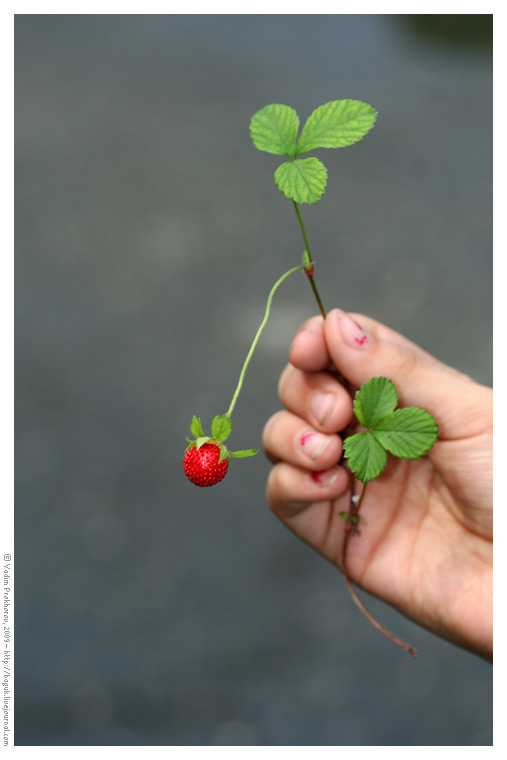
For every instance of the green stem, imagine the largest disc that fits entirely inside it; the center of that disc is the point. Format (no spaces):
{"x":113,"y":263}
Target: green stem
{"x":258,"y":335}
{"x":310,"y":276}
{"x":302,"y":229}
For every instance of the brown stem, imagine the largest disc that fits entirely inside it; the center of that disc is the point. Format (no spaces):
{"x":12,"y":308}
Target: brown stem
{"x":375,"y":622}
{"x":354,"y":512}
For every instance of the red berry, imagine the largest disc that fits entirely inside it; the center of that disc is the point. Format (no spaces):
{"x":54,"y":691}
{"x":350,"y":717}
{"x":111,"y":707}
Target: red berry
{"x":202,"y":467}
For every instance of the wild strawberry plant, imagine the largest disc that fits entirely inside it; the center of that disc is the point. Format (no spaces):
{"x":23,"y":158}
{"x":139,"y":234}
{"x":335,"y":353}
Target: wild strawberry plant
{"x":408,"y":433}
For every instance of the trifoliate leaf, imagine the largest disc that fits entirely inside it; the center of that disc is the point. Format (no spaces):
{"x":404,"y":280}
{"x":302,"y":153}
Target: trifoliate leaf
{"x":408,"y":433}
{"x":365,"y":455}
{"x":375,"y":400}
{"x":336,"y":125}
{"x":244,"y":453}
{"x":304,"y":181}
{"x":196,"y":427}
{"x":221,"y":428}
{"x":274,"y":129}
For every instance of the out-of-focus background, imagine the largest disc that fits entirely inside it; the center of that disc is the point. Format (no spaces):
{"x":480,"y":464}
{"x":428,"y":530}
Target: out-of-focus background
{"x":148,"y":234}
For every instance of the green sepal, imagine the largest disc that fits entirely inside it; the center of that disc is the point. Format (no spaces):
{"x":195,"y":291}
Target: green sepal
{"x":202,"y":440}
{"x":224,"y":453}
{"x":196,"y":427}
{"x":244,"y":453}
{"x":221,"y":428}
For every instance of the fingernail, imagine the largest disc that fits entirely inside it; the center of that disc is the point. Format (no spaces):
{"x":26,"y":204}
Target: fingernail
{"x":352,"y":332}
{"x":324,"y":478}
{"x":322,"y":404}
{"x":313,"y":444}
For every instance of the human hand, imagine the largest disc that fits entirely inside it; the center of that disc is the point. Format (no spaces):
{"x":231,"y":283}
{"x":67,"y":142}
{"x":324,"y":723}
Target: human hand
{"x":426,"y":525}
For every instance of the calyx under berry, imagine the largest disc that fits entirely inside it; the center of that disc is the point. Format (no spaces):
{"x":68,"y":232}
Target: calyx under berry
{"x":221,"y":428}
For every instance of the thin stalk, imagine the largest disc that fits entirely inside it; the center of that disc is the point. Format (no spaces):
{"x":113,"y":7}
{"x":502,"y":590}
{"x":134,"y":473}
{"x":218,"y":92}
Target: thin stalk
{"x":353,"y":511}
{"x":310,"y":275}
{"x":258,"y":335}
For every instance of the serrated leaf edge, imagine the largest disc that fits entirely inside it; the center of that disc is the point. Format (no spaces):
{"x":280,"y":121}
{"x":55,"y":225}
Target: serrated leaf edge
{"x":287,"y":153}
{"x":301,"y":160}
{"x":366,"y":434}
{"x":300,"y":152}
{"x":358,"y":401}
{"x":424,"y":450}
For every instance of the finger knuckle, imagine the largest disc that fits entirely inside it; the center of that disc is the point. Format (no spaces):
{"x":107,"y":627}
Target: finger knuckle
{"x":407,"y":363}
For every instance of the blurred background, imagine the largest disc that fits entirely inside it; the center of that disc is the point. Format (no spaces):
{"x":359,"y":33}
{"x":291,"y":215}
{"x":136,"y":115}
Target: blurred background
{"x":148,"y":234}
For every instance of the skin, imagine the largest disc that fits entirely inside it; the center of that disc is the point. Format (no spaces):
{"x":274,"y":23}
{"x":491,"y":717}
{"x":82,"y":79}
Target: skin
{"x":425,"y":544}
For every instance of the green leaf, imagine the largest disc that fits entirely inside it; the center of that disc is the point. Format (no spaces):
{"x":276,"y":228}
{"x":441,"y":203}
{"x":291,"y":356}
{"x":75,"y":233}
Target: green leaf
{"x":408,"y":433}
{"x":244,"y":453}
{"x":274,"y":129}
{"x":336,"y":125}
{"x":366,"y":456}
{"x":375,"y":400}
{"x":196,"y":427}
{"x":221,"y":428}
{"x":304,"y":181}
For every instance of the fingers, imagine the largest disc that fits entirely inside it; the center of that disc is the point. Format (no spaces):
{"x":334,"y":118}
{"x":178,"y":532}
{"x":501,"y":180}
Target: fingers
{"x":291,"y":490}
{"x":316,"y":397}
{"x":363,"y":348}
{"x":309,"y":351}
{"x":289,"y":438}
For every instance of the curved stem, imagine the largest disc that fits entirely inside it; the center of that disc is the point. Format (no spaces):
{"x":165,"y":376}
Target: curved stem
{"x":375,"y":622}
{"x":353,"y":512}
{"x":258,"y":335}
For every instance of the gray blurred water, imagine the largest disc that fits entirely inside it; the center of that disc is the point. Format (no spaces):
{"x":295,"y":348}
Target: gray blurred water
{"x":148,"y":234}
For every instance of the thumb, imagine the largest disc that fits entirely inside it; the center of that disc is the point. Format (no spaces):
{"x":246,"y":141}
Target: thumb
{"x":362,"y":348}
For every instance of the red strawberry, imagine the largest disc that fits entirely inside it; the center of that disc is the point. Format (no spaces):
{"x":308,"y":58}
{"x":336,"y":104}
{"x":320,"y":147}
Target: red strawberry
{"x":201,"y":464}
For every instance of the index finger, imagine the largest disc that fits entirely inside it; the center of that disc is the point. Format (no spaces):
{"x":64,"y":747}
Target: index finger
{"x":308,"y":351}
